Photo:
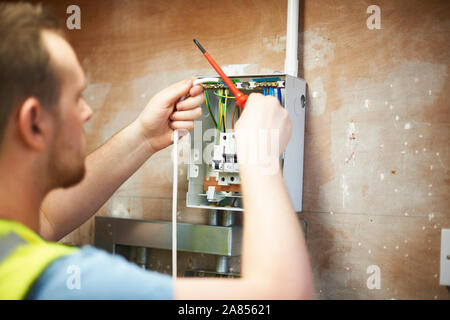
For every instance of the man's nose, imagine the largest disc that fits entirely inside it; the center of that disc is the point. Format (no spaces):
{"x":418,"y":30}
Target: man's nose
{"x":87,"y":112}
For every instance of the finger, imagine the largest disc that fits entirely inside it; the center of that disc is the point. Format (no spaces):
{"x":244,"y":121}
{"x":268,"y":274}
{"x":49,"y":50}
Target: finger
{"x":193,"y":114}
{"x":181,"y":133}
{"x":190,"y":103}
{"x":196,"y":90}
{"x":254,"y":101}
{"x":173,"y":93}
{"x":188,"y":125}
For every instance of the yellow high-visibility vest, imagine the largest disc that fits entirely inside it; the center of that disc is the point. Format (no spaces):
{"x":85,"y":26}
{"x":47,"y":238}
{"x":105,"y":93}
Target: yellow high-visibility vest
{"x":23,"y":257}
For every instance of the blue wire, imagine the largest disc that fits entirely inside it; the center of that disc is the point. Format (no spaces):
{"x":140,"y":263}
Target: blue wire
{"x":223,"y":83}
{"x":272,"y":92}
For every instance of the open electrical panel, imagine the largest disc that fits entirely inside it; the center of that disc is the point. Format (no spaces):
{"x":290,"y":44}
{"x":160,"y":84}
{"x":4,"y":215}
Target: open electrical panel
{"x":213,"y":169}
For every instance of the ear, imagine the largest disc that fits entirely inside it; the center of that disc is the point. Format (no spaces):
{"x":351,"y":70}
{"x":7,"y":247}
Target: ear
{"x":34,"y":124}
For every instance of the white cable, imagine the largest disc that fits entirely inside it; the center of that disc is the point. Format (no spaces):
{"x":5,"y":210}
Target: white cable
{"x":174,"y":204}
{"x":203,"y":80}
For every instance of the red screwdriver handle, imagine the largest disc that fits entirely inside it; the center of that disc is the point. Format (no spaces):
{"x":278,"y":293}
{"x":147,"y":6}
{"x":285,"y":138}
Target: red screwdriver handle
{"x":241,"y":98}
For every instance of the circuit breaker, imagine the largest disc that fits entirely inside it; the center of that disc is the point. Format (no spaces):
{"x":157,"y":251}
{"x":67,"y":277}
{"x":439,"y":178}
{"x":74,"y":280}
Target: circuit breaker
{"x":213,"y":169}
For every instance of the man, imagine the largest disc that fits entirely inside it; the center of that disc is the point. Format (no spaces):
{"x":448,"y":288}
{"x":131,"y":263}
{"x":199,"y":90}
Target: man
{"x":42,"y":113}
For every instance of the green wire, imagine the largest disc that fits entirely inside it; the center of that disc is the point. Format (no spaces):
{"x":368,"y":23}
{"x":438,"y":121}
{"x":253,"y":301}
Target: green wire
{"x":220,"y":121}
{"x":209,"y":110}
{"x":219,"y":95}
{"x":225,"y":92}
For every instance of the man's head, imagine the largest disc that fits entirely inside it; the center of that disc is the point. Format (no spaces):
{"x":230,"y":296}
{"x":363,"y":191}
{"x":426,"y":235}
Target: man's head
{"x":42,"y":110}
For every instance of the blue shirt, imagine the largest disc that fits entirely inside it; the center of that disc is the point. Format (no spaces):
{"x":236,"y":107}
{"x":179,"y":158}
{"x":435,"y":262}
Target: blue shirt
{"x":95,"y":274}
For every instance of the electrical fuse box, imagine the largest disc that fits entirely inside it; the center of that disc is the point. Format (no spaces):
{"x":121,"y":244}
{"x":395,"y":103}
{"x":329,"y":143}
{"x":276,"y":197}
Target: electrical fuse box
{"x":213,"y":169}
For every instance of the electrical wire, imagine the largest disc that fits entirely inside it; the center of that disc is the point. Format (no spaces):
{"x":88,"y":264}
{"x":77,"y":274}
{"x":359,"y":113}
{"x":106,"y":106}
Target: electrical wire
{"x":225,"y":92}
{"x":209,"y":110}
{"x":219,"y":95}
{"x":205,"y":80}
{"x":220,"y":121}
{"x":174,"y":204}
{"x":232,"y":116}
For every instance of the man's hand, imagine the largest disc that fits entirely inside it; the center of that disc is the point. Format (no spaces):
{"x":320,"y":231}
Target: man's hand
{"x":263,"y":120}
{"x":158,"y":119}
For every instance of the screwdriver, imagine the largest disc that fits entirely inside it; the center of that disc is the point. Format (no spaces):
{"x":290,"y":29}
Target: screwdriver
{"x":241,"y":98}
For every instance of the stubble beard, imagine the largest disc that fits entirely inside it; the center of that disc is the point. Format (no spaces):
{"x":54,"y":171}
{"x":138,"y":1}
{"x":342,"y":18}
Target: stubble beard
{"x":64,"y":170}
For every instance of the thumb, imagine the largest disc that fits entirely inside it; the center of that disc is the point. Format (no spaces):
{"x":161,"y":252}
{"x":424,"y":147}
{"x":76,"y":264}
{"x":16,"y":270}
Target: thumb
{"x":175,"y":92}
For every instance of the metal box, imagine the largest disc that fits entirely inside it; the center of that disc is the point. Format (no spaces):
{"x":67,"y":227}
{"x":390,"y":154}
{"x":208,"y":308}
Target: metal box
{"x":293,"y":98}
